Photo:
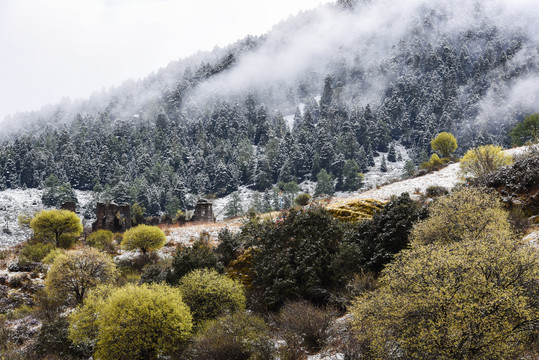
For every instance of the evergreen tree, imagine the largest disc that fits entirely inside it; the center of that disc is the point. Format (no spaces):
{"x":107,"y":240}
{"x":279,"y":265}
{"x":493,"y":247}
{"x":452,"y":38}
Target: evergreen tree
{"x":324,"y":184}
{"x":392,"y":155}
{"x":383,"y":165}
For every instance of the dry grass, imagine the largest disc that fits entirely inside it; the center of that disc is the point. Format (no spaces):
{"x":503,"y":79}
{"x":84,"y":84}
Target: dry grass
{"x":354,"y":210}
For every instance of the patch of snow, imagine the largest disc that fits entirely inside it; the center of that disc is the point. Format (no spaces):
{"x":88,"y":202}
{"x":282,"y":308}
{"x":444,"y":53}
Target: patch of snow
{"x":289,"y":119}
{"x":220,"y":205}
{"x":16,"y":201}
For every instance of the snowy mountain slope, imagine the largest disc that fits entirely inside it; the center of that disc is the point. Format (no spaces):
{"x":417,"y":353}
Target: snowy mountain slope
{"x":26,"y":201}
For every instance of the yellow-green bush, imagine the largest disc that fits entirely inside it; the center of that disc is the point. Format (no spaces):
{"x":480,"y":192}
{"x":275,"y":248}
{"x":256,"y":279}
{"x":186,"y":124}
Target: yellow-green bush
{"x":73,"y":274}
{"x":465,"y":214}
{"x":60,"y":227}
{"x":481,"y":161}
{"x":210,"y":294}
{"x":144,"y":238}
{"x":101,"y":239}
{"x":133,"y":322}
{"x":462,"y":300}
{"x":35,"y":252}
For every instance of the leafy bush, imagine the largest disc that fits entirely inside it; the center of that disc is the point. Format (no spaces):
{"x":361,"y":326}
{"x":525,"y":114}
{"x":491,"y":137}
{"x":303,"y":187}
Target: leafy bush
{"x":35,"y":252}
{"x":385,"y":235}
{"x":210,"y":294}
{"x":436,"y":191}
{"x":239,"y":336}
{"x":73,"y":274}
{"x":469,"y":299}
{"x":230,"y":246}
{"x":302,"y":199}
{"x":465,"y":214}
{"x":444,"y":143}
{"x":526,"y":130}
{"x":101,"y":239}
{"x":434,"y":163}
{"x":144,"y":238}
{"x":60,"y":227}
{"x":132,"y":322}
{"x":197,"y":256}
{"x":480,"y":162}
{"x":305,"y":327}
{"x":293,"y":257}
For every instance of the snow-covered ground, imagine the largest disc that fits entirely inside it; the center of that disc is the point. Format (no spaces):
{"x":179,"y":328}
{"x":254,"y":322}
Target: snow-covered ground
{"x":16,"y":201}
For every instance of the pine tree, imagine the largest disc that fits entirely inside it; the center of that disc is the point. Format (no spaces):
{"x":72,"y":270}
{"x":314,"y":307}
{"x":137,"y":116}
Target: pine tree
{"x":392,"y":155}
{"x":324,"y":184}
{"x":383,"y":165}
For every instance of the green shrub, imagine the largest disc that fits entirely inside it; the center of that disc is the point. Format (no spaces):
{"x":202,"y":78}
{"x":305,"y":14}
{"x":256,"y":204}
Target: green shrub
{"x":197,"y":256}
{"x":293,"y":257}
{"x":444,"y":143}
{"x":302,"y":199}
{"x":132,"y":322}
{"x":35,"y":252}
{"x":305,"y":328}
{"x":230,"y":246}
{"x":239,"y":336}
{"x":144,"y":238}
{"x":210,"y":294}
{"x":435,"y":191}
{"x":101,"y":239}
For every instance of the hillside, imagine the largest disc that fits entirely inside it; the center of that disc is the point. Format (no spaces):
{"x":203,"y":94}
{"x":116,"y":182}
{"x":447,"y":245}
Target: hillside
{"x":325,"y":90}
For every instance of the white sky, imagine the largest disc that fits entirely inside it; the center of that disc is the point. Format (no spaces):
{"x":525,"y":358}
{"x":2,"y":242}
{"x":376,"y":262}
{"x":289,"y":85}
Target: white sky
{"x":50,"y":49}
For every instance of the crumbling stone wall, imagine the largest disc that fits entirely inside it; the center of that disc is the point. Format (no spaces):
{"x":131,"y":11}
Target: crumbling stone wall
{"x":203,"y":211}
{"x":113,"y":217}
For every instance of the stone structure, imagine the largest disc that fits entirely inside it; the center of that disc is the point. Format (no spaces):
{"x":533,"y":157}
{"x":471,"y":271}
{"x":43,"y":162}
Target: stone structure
{"x":113,"y":217}
{"x":69,"y":205}
{"x":203,"y":211}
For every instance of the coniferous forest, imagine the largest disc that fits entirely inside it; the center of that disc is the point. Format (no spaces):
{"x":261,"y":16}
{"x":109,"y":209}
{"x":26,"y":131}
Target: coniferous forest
{"x":199,"y":127}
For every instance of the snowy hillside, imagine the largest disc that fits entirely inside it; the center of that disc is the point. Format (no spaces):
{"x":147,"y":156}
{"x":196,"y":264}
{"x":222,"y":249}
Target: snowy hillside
{"x":16,"y":201}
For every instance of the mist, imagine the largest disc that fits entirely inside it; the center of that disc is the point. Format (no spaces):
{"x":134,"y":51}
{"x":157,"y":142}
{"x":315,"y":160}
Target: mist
{"x":375,"y":32}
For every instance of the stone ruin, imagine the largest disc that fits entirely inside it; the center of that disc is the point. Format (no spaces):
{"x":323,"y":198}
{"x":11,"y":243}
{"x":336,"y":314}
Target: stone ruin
{"x":117,"y":218}
{"x":203,"y":211}
{"x":113,"y":217}
{"x":69,"y":205}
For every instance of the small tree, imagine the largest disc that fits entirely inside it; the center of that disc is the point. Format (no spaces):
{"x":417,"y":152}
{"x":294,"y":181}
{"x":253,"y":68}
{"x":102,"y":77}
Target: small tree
{"x":462,"y":300}
{"x":392,"y":154}
{"x":55,"y":193}
{"x":137,"y":213}
{"x":144,"y":237}
{"x":233,"y":207}
{"x":197,"y":256}
{"x":324,"y":184}
{"x":73,"y":274}
{"x":526,"y":130}
{"x":210,"y":294}
{"x":60,"y":227}
{"x":444,"y":144}
{"x":481,"y":161}
{"x":352,"y":177}
{"x":383,"y":165}
{"x":132,"y":322}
